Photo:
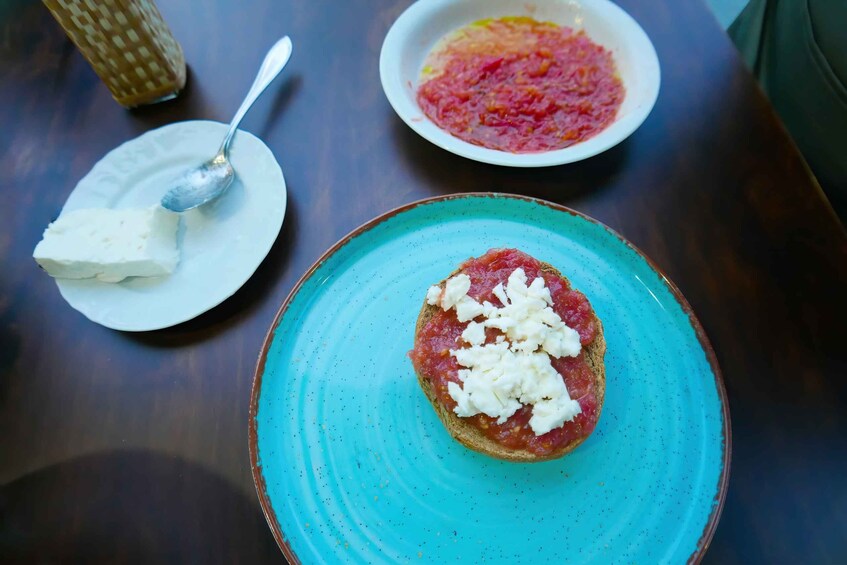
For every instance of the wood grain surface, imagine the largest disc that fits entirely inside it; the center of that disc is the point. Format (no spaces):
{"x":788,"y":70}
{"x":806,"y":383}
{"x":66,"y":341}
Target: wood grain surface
{"x":120,"y":447}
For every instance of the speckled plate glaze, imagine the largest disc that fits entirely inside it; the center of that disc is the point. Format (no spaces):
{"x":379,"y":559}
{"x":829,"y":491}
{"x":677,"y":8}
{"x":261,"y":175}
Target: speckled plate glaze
{"x":352,"y":465}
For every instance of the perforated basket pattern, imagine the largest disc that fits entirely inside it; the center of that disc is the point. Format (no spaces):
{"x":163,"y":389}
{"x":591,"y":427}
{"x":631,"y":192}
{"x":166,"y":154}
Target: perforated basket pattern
{"x":128,"y":44}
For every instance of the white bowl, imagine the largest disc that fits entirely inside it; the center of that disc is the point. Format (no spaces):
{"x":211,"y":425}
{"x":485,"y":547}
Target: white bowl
{"x":419,"y":28}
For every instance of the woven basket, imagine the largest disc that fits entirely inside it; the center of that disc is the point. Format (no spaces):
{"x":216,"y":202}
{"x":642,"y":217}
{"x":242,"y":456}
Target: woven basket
{"x":128,"y":44}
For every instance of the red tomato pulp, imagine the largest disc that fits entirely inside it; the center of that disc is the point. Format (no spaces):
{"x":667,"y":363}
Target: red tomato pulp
{"x":522,"y":86}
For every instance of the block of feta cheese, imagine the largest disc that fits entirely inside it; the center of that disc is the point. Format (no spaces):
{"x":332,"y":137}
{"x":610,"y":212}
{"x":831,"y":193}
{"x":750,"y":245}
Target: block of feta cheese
{"x":110,"y":245}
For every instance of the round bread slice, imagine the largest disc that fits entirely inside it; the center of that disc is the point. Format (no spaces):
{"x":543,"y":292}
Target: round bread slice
{"x":472,"y":437}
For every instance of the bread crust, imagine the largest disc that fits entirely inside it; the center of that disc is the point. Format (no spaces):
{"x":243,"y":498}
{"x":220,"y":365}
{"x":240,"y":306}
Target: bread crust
{"x":472,"y":437}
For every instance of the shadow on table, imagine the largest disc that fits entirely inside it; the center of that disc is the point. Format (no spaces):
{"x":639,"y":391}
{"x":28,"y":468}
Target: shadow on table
{"x":190,"y":104}
{"x":448,"y":173}
{"x":131,"y":506}
{"x":290,"y":87}
{"x":193,"y":104}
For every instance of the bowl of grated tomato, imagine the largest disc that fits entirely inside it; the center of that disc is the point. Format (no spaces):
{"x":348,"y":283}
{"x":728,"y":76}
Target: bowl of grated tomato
{"x":520,"y":84}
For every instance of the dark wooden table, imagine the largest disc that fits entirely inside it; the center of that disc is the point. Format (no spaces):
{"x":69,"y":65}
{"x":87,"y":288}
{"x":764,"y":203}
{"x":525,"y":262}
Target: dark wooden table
{"x":133,"y":447}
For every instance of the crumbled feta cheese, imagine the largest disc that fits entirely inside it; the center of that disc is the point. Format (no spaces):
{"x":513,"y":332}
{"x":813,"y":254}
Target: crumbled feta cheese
{"x":528,"y":319}
{"x":501,"y":294}
{"x":454,"y":289}
{"x":474,"y":334}
{"x":498,"y":378}
{"x":433,"y":295}
{"x":498,"y":381}
{"x":467,"y":309}
{"x":562,"y":343}
{"x":551,"y":414}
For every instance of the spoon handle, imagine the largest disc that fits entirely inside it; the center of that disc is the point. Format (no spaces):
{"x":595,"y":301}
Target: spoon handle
{"x":274,"y":62}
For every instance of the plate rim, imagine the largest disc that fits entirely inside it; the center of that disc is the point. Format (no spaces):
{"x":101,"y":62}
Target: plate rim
{"x":252,"y":431}
{"x":449,"y":142}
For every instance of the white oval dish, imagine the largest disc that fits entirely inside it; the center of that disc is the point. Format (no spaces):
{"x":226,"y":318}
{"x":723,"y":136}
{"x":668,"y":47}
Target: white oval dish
{"x":425,"y":22}
{"x":221,"y":243}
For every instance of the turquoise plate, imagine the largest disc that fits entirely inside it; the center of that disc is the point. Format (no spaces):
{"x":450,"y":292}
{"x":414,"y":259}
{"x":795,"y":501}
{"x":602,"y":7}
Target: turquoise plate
{"x":352,"y":465}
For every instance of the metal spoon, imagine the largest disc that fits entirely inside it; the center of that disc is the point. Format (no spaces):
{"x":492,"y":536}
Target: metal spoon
{"x":208,"y":181}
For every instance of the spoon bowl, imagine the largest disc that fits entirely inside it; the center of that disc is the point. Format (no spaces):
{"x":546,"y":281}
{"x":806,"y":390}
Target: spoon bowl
{"x":198,"y":186}
{"x":207,"y":182}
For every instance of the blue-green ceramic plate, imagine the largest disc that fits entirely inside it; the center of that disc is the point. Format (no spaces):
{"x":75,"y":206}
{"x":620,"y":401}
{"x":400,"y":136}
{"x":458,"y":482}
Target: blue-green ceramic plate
{"x":352,"y":465}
